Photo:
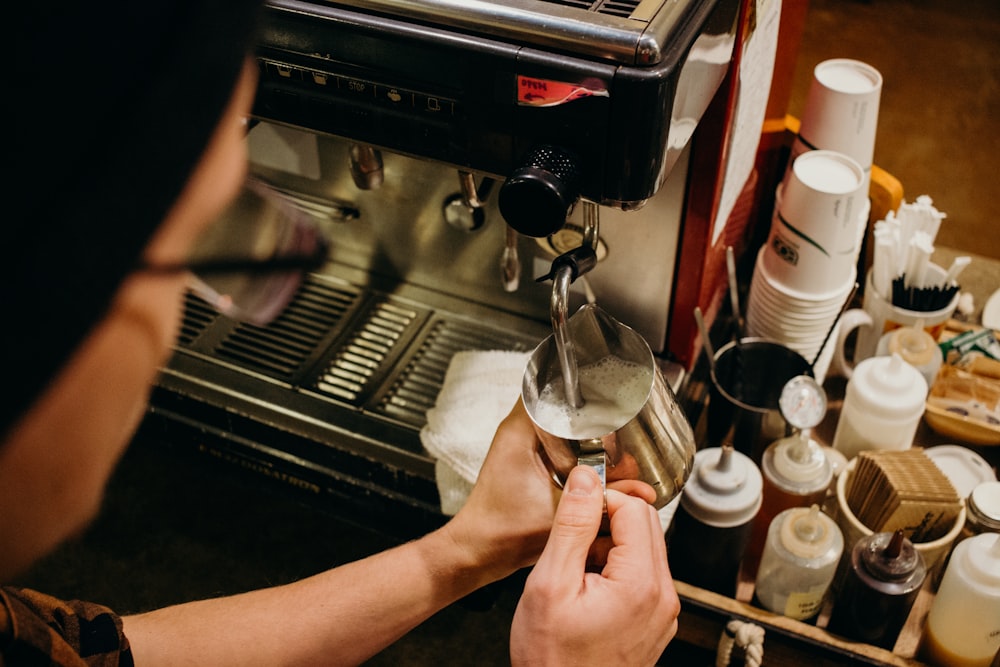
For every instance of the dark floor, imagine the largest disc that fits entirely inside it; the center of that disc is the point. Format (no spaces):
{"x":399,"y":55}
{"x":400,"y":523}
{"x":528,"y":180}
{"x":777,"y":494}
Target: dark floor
{"x":174,"y":529}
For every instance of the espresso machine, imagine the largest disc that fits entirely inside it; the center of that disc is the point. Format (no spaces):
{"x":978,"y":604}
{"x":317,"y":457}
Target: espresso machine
{"x":453,"y":150}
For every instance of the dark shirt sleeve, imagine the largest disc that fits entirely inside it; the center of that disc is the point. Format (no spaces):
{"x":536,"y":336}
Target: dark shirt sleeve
{"x":38,"y":629}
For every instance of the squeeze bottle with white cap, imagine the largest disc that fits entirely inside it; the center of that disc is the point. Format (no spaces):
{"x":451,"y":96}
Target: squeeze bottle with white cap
{"x":799,"y":561}
{"x":917,"y":348}
{"x":710,"y":529}
{"x":882,"y":406}
{"x":796,"y":473}
{"x":963,"y":624}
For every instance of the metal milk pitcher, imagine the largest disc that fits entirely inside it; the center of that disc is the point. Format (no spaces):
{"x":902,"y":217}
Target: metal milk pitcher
{"x":597,"y":397}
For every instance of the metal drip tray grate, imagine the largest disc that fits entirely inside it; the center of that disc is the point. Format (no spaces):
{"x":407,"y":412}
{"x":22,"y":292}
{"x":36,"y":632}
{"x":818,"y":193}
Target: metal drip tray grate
{"x":337,"y":342}
{"x":198,"y":316}
{"x":371,"y":345}
{"x":416,"y":388}
{"x":284,"y":348}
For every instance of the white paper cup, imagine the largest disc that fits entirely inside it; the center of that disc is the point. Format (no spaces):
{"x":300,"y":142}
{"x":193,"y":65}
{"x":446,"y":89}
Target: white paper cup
{"x":791,"y":308}
{"x":775,"y":318}
{"x":802,"y":300}
{"x":863,"y":214}
{"x":841,"y":110}
{"x":825,"y":357}
{"x":804,"y":342}
{"x":801,"y":322}
{"x":789,"y":323}
{"x":814,"y":230}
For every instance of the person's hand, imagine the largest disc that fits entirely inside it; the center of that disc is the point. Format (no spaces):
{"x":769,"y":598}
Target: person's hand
{"x":625,"y":614}
{"x":507,"y":517}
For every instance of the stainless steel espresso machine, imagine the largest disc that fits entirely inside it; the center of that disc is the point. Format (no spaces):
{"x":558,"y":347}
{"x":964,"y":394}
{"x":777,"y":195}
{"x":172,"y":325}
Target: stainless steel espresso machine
{"x":453,"y":149}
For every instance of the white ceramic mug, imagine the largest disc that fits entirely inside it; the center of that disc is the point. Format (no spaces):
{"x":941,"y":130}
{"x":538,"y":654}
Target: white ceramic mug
{"x":878,"y":316}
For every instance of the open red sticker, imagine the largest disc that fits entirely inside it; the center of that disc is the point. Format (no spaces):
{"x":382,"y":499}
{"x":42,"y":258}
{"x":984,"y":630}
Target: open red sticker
{"x":536,"y":92}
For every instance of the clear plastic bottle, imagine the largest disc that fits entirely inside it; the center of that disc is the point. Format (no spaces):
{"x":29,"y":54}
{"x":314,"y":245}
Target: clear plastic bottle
{"x":711,"y":527}
{"x":799,"y":560}
{"x":882,"y":406}
{"x":963,"y":624}
{"x":796,"y":473}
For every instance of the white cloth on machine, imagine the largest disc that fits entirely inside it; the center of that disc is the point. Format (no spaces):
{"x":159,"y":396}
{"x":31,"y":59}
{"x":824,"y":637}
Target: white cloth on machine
{"x":479,"y":390}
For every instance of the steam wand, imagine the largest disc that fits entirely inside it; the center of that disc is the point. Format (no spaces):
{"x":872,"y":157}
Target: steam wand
{"x":566,"y":268}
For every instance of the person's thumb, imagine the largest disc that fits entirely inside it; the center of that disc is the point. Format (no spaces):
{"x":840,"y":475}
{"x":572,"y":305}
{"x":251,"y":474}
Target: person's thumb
{"x":577,"y":520}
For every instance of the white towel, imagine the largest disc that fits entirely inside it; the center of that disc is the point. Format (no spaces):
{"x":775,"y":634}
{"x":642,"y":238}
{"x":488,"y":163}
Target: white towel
{"x":479,"y":390}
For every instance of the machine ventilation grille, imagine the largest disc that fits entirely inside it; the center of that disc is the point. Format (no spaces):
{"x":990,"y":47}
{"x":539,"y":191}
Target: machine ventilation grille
{"x":623,"y":8}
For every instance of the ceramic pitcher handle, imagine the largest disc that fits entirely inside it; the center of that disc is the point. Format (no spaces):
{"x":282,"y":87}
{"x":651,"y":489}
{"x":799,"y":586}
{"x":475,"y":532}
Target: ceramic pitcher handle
{"x":849,"y":321}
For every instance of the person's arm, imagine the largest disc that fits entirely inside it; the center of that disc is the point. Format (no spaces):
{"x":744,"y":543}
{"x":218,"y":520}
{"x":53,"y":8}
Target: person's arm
{"x":347,"y":614}
{"x":625,"y":614}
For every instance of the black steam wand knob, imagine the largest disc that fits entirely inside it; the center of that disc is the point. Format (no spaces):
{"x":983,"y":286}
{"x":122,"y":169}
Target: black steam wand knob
{"x":539,"y":195}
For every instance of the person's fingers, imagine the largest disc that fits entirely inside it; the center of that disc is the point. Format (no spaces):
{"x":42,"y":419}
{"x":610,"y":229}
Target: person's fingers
{"x":574,"y":528}
{"x":658,"y":544}
{"x":631,"y":529}
{"x":635,"y":487}
{"x":599,"y":550}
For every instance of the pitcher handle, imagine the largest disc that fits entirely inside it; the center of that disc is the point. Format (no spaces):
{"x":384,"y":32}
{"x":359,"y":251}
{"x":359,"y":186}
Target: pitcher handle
{"x":598,"y":460}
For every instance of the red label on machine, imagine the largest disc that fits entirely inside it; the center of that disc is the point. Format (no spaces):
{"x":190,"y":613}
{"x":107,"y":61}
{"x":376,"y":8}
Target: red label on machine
{"x":547,"y":93}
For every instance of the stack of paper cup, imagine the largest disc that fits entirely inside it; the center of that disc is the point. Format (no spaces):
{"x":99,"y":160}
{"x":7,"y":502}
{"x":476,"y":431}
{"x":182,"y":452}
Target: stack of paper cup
{"x":841,"y":114}
{"x":807,"y":268}
{"x":798,"y":319}
{"x":813,"y":237}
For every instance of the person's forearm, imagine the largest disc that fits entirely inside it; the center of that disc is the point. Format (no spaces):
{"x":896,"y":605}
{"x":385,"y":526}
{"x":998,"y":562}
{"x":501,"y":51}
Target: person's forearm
{"x":342,"y":616}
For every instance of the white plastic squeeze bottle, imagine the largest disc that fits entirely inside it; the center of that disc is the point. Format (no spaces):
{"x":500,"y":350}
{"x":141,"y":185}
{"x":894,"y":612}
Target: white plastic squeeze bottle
{"x":963,"y":625}
{"x":883,"y":404}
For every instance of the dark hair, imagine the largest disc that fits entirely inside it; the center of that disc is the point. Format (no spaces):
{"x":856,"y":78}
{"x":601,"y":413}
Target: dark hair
{"x":112,"y":106}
